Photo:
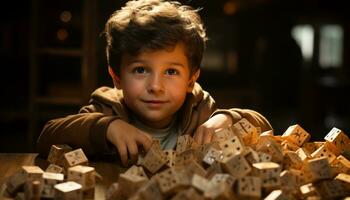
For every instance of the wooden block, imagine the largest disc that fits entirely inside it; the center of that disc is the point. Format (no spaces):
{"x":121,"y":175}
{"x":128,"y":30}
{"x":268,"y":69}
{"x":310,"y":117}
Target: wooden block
{"x":297,"y":135}
{"x":84,"y":175}
{"x":222,"y":178}
{"x":213,"y":169}
{"x":184,"y":142}
{"x":32,"y":173}
{"x":75,"y":157}
{"x":200,"y":183}
{"x":231,"y":146}
{"x":324,"y":151}
{"x":330,"y":189}
{"x":223,"y":134}
{"x":54,"y":169}
{"x":155,"y":158}
{"x":269,"y":146}
{"x":150,"y":190}
{"x":113,"y":192}
{"x":212,"y":155}
{"x":278,"y":195}
{"x":287,"y":145}
{"x":89,"y":194}
{"x":303,"y":155}
{"x":251,"y":155}
{"x":308,"y":190}
{"x":292,"y":160}
{"x":185,"y":157}
{"x":236,"y":165}
{"x":56,"y":154}
{"x":68,"y":191}
{"x":338,"y":139}
{"x":341,"y":164}
{"x":249,"y":187}
{"x":170,"y":155}
{"x":189,"y":194}
{"x":50,"y":180}
{"x":246,"y":130}
{"x":194,"y":168}
{"x":220,"y":191}
{"x":129,"y":184}
{"x":289,"y":181}
{"x":310,"y":147}
{"x":136,"y":170}
{"x":344,"y":179}
{"x":319,"y":168}
{"x":269,"y":172}
{"x":171,"y":181}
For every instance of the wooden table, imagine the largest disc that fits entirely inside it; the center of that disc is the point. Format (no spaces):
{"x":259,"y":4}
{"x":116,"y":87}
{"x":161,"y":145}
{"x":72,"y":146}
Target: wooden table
{"x":108,"y":168}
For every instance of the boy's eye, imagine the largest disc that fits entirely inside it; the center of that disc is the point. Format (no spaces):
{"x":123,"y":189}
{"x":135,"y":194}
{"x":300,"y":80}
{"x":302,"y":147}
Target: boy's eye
{"x":172,"y":72}
{"x":139,"y":70}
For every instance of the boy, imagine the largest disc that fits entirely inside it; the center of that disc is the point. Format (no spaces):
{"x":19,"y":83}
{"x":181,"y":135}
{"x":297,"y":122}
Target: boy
{"x":154,"y":50}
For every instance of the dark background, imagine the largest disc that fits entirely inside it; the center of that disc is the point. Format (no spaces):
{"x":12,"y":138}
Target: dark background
{"x":51,"y":62}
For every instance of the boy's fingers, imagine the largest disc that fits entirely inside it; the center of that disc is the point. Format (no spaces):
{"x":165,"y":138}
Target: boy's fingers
{"x":146,"y":142}
{"x":133,"y":151}
{"x":198,"y":136}
{"x":207,"y":137}
{"x":123,"y":153}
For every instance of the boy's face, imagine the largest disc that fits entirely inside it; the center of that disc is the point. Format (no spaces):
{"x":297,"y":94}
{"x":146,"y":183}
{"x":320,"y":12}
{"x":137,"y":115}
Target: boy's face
{"x":155,"y":84}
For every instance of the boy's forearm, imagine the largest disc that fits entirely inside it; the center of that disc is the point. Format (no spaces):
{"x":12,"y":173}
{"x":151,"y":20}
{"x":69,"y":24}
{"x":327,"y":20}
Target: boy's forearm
{"x":84,"y":130}
{"x":252,"y":116}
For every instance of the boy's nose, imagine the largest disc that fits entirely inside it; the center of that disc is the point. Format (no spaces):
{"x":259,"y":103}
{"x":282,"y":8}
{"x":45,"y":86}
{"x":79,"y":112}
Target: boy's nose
{"x":156,"y":84}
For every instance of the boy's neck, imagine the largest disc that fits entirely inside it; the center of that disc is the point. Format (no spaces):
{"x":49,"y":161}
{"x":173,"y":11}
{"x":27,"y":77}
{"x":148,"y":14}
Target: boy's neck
{"x":156,"y":125}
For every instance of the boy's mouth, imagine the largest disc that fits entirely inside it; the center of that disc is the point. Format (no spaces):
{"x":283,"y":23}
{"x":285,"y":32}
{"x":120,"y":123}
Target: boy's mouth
{"x":154,"y":101}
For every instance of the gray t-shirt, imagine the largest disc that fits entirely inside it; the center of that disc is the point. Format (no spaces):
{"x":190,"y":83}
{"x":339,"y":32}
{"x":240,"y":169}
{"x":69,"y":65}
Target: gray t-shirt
{"x":167,"y":136}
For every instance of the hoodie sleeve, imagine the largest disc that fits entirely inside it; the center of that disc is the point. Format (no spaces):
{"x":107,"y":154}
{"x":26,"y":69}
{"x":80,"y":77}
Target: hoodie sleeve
{"x":86,"y":130}
{"x":252,"y":116}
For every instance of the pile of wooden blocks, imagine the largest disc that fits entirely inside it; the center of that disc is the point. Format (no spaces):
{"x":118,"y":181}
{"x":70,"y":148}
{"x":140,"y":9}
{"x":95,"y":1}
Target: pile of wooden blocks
{"x":242,"y":163}
{"x":68,"y":176}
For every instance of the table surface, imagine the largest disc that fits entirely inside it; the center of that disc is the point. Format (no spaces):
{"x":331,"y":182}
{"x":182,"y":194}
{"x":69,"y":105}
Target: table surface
{"x":10,"y":163}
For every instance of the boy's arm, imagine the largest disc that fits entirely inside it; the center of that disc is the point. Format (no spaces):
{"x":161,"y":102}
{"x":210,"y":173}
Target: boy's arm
{"x":252,"y":116}
{"x":86,"y":130}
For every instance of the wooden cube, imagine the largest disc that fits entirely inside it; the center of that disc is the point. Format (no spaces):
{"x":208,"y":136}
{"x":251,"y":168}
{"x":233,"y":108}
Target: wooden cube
{"x":231,"y":146}
{"x":236,"y":165}
{"x":319,"y":168}
{"x":68,"y":191}
{"x":223,"y":134}
{"x":129,"y":184}
{"x":297,"y":135}
{"x":338,"y":139}
{"x":50,"y":180}
{"x":200,"y":183}
{"x":171,"y":180}
{"x":324,"y":151}
{"x":57,"y":152}
{"x":246,"y":129}
{"x":170,"y":155}
{"x":54,"y":169}
{"x":84,"y":175}
{"x":75,"y":157}
{"x":136,"y":170}
{"x":269,"y":172}
{"x":155,"y":158}
{"x":249,"y":187}
{"x":184,"y":142}
{"x":212,"y":155}
{"x":292,"y":160}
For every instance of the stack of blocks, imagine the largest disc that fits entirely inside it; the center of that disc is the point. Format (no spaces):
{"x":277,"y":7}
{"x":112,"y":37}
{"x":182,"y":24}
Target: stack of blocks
{"x":66,"y":178}
{"x":242,"y":163}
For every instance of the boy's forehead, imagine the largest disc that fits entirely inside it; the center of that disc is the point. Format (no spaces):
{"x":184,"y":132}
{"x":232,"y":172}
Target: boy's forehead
{"x":175,"y":53}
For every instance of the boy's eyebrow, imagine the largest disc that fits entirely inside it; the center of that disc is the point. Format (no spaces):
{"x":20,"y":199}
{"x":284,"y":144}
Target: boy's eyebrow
{"x":146,"y":62}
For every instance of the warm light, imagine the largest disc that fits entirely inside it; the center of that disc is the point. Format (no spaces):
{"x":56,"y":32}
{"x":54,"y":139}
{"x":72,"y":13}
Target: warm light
{"x":66,"y":16}
{"x":304,"y":35}
{"x":62,"y":34}
{"x":230,"y":7}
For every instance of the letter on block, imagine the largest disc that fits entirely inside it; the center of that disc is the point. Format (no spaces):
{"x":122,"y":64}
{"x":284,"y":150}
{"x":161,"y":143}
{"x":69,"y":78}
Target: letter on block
{"x":76,"y":157}
{"x":56,"y":153}
{"x":338,"y":139}
{"x":297,"y":135}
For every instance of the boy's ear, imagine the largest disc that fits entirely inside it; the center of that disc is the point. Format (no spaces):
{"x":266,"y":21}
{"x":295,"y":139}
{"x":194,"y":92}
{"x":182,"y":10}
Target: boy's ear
{"x":193,"y":80}
{"x":115,"y":78}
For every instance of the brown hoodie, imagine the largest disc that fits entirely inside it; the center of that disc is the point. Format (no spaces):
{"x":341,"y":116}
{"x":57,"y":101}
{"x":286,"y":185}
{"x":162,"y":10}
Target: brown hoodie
{"x":87,"y":129}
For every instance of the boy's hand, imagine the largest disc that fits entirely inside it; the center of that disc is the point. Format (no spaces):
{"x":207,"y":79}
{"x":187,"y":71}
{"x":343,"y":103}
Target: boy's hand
{"x":204,"y":132}
{"x":127,"y":139}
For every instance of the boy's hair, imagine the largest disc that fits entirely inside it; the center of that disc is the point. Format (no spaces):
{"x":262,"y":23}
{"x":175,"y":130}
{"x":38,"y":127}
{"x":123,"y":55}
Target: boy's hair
{"x":152,"y":25}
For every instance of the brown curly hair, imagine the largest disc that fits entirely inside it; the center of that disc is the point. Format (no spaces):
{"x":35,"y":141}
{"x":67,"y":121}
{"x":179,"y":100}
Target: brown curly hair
{"x":152,"y":25}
